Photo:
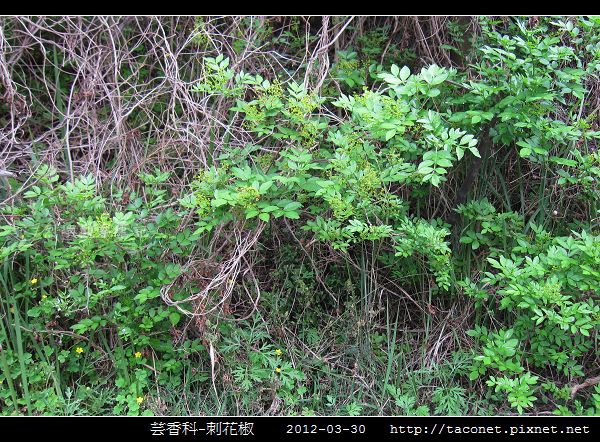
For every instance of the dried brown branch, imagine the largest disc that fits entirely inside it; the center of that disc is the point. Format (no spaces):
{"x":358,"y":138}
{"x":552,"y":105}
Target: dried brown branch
{"x":587,"y":383}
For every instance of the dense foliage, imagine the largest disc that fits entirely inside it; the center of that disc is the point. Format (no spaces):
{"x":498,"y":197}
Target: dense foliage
{"x":384,"y":234}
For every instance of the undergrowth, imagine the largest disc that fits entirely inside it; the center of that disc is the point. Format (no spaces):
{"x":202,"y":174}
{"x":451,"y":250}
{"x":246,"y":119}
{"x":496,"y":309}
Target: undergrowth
{"x":400,"y":231}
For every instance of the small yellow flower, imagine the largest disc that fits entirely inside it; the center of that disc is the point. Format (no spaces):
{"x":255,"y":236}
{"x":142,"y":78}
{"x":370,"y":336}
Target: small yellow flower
{"x":33,"y":281}
{"x":79,"y":350}
{"x":278,"y":352}
{"x":139,"y":399}
{"x":44,"y":296}
{"x":278,"y":370}
{"x":138,"y":354}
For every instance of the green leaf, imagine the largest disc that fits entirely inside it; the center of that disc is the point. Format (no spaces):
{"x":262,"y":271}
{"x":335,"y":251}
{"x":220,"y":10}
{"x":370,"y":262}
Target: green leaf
{"x":564,"y":161}
{"x":433,"y":92}
{"x":174,"y":317}
{"x":404,"y":73}
{"x":243,"y":174}
{"x":264,"y":216}
{"x":526,"y":148}
{"x":390,"y":79}
{"x":251,"y":213}
{"x":292,"y":206}
{"x":444,"y":162}
{"x":265,"y":186}
{"x":475,"y":151}
{"x":525,"y":152}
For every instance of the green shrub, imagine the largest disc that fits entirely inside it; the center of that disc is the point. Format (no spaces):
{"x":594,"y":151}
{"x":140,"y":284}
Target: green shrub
{"x":471,"y":189}
{"x":84,"y":279}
